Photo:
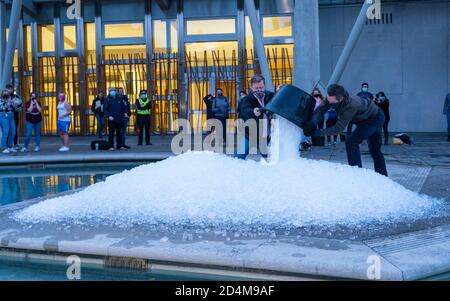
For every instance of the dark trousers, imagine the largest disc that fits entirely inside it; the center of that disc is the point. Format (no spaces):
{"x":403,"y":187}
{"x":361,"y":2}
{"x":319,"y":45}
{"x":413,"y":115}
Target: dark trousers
{"x":386,"y":132}
{"x":369,"y":130}
{"x":16,"y":122}
{"x":350,"y":128}
{"x":143,"y":123}
{"x":115,"y":127}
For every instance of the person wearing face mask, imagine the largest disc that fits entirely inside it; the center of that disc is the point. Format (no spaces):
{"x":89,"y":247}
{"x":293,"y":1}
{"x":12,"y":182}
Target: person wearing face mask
{"x":251,"y":108}
{"x":115,"y":112}
{"x":63,"y":123}
{"x":143,"y":111}
{"x":33,"y":116}
{"x":221,"y":109}
{"x":7,"y":122}
{"x":18,"y":106}
{"x":367,"y":116}
{"x":383,"y":103}
{"x":126,"y":120}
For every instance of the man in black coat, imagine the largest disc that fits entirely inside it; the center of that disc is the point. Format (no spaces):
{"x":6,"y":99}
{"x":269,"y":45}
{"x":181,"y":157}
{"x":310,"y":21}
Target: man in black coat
{"x":115,"y":111}
{"x":250,"y":108}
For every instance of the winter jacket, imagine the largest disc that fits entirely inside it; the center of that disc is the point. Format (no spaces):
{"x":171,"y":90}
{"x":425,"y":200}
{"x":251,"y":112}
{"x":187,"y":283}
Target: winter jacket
{"x":384,"y":106}
{"x":126,"y":101}
{"x":208,"y":100}
{"x":366,"y":95}
{"x":221,"y":107}
{"x":115,"y":107}
{"x":249,"y":103}
{"x":98,"y":110}
{"x":352,"y":109}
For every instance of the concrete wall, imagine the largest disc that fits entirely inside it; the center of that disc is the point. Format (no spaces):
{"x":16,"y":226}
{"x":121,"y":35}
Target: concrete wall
{"x":408,"y":59}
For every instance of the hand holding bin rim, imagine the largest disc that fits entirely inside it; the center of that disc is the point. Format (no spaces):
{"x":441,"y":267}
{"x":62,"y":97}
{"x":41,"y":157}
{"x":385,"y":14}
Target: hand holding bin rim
{"x":293,"y":104}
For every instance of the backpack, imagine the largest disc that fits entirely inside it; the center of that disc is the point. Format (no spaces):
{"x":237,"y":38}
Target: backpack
{"x":405,"y":138}
{"x":102,"y":145}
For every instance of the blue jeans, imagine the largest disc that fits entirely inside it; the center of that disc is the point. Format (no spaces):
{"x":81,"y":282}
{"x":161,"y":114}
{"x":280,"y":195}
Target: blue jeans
{"x":242,"y":149}
{"x":100,"y":125}
{"x":36,"y":127}
{"x":8,"y":129}
{"x":124,"y":130}
{"x":369,"y":130}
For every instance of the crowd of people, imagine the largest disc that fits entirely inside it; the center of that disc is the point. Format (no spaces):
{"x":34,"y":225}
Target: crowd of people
{"x":114,"y":110}
{"x":333,"y":119}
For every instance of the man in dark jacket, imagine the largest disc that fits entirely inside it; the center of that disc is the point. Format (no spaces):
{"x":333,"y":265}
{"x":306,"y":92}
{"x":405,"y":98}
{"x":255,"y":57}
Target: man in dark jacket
{"x":115,"y":111}
{"x":126,"y":120}
{"x":250,"y":108}
{"x":360,"y":111}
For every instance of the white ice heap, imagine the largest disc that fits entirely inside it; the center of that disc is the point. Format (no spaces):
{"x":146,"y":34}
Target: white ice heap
{"x":203,"y":188}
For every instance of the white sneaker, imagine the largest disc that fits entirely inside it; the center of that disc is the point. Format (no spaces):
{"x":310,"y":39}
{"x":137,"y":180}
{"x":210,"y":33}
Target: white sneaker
{"x":24,"y":149}
{"x":13,"y":150}
{"x":6,"y":151}
{"x":37,"y":149}
{"x":17,"y":147}
{"x":64,"y":149}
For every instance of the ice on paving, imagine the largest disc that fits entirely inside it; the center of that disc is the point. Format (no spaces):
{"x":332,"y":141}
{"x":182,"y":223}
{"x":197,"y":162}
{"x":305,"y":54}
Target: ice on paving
{"x":209,"y":189}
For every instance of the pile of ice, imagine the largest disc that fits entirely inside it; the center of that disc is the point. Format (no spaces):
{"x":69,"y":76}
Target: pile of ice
{"x":201,"y":188}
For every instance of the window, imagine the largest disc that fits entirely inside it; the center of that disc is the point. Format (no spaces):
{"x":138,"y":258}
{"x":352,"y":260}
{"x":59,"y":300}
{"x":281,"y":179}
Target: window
{"x":164,"y":31}
{"x":46,"y":40}
{"x":128,"y":30}
{"x":277,"y":26}
{"x":70,"y":37}
{"x":217,"y":26}
{"x":90,"y":43}
{"x":159,"y":36}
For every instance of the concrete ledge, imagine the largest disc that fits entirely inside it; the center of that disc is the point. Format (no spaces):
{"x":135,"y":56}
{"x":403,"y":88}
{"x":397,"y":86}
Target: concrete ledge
{"x":410,"y":256}
{"x":84,"y":157}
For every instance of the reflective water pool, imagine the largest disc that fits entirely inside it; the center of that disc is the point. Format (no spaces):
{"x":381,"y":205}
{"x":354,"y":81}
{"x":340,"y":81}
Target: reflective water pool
{"x":24,"y":183}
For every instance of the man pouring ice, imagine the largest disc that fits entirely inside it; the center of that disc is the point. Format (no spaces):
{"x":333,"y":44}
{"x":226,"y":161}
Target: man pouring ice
{"x":352,"y":109}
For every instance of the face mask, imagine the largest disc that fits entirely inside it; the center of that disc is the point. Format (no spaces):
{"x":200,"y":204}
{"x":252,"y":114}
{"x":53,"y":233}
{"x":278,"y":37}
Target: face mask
{"x":219,"y":94}
{"x":144,"y":96}
{"x":62,"y":98}
{"x":259,"y":94}
{"x":365,"y":89}
{"x":113,"y":93}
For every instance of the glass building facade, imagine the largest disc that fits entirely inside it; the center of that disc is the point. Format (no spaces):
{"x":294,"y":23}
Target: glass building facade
{"x":179,"y":52}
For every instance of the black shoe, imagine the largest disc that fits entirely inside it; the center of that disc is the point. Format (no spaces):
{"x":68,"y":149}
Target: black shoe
{"x":149,"y":143}
{"x":127,"y":147}
{"x":139,"y":144}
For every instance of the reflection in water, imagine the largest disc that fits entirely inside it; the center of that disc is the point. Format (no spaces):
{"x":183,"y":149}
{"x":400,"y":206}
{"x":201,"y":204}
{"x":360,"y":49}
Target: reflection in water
{"x":14,"y":190}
